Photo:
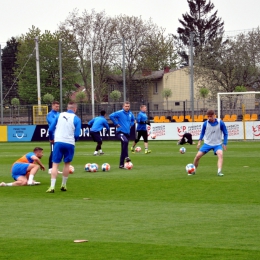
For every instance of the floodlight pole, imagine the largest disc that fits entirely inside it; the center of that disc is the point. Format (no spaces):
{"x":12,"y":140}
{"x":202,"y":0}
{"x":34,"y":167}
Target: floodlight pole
{"x":38,"y":71}
{"x":60,"y":65}
{"x":92,"y":82}
{"x":124,"y":87}
{"x":191,"y":76}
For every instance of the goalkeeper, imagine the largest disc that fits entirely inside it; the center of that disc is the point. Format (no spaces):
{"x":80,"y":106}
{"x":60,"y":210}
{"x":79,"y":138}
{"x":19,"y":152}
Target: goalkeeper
{"x":141,"y":129}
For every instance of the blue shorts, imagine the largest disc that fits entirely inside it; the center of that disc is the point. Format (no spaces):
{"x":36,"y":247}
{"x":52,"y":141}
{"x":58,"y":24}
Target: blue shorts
{"x":205,"y":148}
{"x":96,"y":136}
{"x":19,"y":169}
{"x":63,"y":151}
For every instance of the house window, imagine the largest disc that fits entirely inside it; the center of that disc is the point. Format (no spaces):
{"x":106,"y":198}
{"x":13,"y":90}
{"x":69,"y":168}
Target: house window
{"x":177,"y":103}
{"x":155,"y":89}
{"x":156,"y":107}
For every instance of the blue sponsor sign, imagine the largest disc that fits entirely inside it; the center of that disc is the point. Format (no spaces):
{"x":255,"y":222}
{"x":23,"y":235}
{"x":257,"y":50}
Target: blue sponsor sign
{"x":20,"y":133}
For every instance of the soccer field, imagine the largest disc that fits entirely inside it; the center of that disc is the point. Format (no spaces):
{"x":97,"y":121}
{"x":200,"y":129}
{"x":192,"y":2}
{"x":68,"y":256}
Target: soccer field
{"x":154,"y":211}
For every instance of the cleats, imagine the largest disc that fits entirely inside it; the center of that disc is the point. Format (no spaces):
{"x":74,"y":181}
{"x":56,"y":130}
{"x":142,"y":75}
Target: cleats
{"x":132,"y":149}
{"x":101,"y":153}
{"x":122,"y":167}
{"x":3,"y":184}
{"x":147,"y":151}
{"x":50,"y":190}
{"x":63,"y":188}
{"x":127,"y":159}
{"x":59,"y":172}
{"x":220,"y":174}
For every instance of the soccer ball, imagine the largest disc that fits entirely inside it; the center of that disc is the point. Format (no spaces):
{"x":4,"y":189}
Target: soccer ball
{"x":138,"y":149}
{"x":96,"y":165}
{"x":153,"y":136}
{"x":190,"y":169}
{"x":93,"y":167}
{"x":182,"y":150}
{"x":71,"y":169}
{"x":128,"y":165}
{"x":87,"y":167}
{"x":105,"y":167}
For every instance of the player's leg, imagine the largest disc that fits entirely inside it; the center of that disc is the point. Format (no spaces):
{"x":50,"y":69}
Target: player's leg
{"x":68,"y":157}
{"x":219,"y":152}
{"x":19,"y":171}
{"x":145,"y":137}
{"x":137,"y":138}
{"x":50,"y":158}
{"x":32,"y":169}
{"x":124,"y":148}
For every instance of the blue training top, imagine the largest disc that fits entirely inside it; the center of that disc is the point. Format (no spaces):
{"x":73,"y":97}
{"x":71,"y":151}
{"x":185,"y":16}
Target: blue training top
{"x":125,"y":119}
{"x":141,"y":117}
{"x":98,"y":123}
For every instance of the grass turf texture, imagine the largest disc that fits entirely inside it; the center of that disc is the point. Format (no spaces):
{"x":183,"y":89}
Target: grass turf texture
{"x":154,"y":211}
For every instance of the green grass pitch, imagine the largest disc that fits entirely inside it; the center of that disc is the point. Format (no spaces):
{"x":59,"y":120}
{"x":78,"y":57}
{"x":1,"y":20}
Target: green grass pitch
{"x":154,"y":211}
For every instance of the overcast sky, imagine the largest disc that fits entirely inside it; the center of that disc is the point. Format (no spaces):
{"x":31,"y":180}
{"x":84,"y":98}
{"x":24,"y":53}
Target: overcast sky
{"x":18,"y":16}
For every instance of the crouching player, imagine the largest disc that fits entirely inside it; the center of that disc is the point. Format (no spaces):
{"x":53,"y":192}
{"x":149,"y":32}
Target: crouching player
{"x":24,"y":169}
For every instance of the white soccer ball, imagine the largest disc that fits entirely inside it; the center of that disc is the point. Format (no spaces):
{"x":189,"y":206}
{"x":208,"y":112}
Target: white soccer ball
{"x":71,"y":169}
{"x":190,"y":169}
{"x":138,"y":149}
{"x":153,"y":136}
{"x":93,"y":167}
{"x":128,"y":165}
{"x":105,"y":167}
{"x":182,"y":150}
{"x":87,"y":167}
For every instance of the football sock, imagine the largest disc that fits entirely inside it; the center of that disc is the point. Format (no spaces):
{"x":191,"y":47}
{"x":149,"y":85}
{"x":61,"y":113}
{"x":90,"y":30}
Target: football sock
{"x":100,"y":150}
{"x":30,"y":178}
{"x":64,"y":180}
{"x":9,"y":184}
{"x":53,"y":182}
{"x":219,"y":170}
{"x":95,"y":152}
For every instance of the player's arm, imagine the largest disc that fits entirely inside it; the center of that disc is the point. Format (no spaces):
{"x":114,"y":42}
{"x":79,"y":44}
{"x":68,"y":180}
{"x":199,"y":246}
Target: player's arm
{"x":38,"y":161}
{"x":52,"y":129}
{"x":77,"y":124}
{"x":132,"y":120}
{"x":202,"y":133}
{"x":225,"y":132}
{"x":114,"y":118}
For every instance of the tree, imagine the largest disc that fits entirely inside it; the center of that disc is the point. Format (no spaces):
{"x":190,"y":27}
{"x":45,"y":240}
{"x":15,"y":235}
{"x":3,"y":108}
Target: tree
{"x":222,"y":66}
{"x":206,"y":26}
{"x":115,"y":95}
{"x":49,"y":66}
{"x":204,"y":94}
{"x":166,"y":93}
{"x":8,"y":66}
{"x":80,"y":97}
{"x":92,"y":32}
{"x":48,"y":98}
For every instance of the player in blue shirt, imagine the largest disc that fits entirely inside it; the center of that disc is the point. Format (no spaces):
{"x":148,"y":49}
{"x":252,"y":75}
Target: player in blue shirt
{"x":55,"y":107}
{"x":123,"y":120}
{"x":141,"y":129}
{"x":64,"y":132}
{"x":97,"y":124}
{"x":212,"y":131}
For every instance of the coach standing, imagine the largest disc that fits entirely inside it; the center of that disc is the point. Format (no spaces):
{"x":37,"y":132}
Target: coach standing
{"x":123,"y":120}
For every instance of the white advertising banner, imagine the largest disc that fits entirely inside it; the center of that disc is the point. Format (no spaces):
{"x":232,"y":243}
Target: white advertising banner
{"x":249,"y":130}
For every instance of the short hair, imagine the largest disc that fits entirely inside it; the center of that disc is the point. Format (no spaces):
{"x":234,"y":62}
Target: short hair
{"x":126,"y":103}
{"x":102,"y":112}
{"x":210,"y":112}
{"x":55,"y":102}
{"x":36,"y":149}
{"x":142,"y":106}
{"x":72,"y":105}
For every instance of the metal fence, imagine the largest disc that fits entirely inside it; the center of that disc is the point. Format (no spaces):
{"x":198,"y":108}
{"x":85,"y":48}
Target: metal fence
{"x":24,"y":114}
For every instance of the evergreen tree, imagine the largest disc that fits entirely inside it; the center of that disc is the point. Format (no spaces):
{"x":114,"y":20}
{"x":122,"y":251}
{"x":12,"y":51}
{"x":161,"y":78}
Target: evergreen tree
{"x":8,"y":65}
{"x":206,"y":26}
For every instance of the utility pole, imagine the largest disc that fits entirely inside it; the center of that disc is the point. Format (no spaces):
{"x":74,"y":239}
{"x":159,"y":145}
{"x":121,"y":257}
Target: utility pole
{"x":60,"y":65}
{"x":191,"y":75}
{"x":92,"y":82}
{"x":124,"y":87}
{"x":38,"y":73}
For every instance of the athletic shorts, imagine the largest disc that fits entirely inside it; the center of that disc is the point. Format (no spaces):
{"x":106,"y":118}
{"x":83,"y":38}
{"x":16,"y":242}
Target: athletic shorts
{"x":19,"y":169}
{"x":63,"y":151}
{"x":96,"y":136}
{"x":141,"y":133}
{"x":205,"y":148}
